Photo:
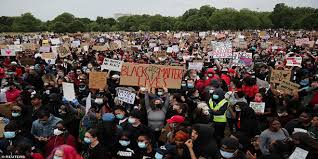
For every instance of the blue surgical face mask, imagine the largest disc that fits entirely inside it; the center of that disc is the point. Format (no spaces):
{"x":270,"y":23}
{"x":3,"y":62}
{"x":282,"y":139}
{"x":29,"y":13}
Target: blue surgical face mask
{"x":57,"y":157}
{"x":124,"y":143}
{"x":226,"y":154}
{"x":9,"y":134}
{"x":183,"y":84}
{"x":87,"y":140}
{"x":215,"y":96}
{"x":120,"y":116}
{"x":15,"y":114}
{"x":142,"y":145}
{"x":158,"y":156}
{"x":160,"y":93}
{"x":190,"y":85}
{"x":304,"y":82}
{"x":131,"y":120}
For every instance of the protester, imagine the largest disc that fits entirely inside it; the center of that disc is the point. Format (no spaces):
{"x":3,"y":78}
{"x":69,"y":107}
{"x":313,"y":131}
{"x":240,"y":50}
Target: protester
{"x":64,"y":152}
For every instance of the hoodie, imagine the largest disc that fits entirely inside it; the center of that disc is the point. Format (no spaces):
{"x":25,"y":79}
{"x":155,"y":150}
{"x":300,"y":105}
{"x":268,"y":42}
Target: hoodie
{"x":205,"y":144}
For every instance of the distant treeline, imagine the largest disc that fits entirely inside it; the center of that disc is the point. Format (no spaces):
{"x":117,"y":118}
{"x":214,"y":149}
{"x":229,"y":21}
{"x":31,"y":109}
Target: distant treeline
{"x":205,"y":18}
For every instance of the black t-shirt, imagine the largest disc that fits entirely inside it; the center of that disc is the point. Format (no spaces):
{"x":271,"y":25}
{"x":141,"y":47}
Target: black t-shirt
{"x":98,"y":152}
{"x":127,"y":152}
{"x":145,"y":155}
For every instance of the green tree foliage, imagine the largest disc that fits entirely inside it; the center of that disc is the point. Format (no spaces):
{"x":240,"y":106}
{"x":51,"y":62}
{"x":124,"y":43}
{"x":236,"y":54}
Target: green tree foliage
{"x":202,"y":19}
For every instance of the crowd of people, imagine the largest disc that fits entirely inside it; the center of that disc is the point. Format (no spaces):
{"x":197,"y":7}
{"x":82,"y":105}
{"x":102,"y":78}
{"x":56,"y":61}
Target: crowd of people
{"x":208,"y":117}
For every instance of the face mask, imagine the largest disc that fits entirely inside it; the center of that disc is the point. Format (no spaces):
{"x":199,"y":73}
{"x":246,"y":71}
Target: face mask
{"x":142,"y":145}
{"x":82,"y":89}
{"x":99,"y":101}
{"x":57,"y":132}
{"x":211,"y":91}
{"x":197,"y":95}
{"x":43,"y":122}
{"x":158,"y":156}
{"x":238,"y":109}
{"x":215,"y":96}
{"x":160,"y":93}
{"x":304,"y":82}
{"x":47,"y":92}
{"x":15,"y":114}
{"x":57,"y":157}
{"x":124,"y":143}
{"x":131,"y":120}
{"x":226,"y":154}
{"x":194,"y":75}
{"x":9,"y":134}
{"x":183,"y":84}
{"x":190,"y":85}
{"x":120,"y":116}
{"x":87,"y":140}
{"x":210,"y":75}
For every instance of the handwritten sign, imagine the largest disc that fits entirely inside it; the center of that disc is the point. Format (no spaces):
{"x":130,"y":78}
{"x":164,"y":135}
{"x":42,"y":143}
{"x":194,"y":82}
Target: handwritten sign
{"x":55,"y":41}
{"x":293,"y":61}
{"x":63,"y":51}
{"x":28,"y":46}
{"x":126,"y":95}
{"x":113,"y":65}
{"x":5,"y":109}
{"x":68,"y":91}
{"x":277,"y":76}
{"x":298,"y":153}
{"x":222,"y":49}
{"x":258,"y":107}
{"x":99,"y":48}
{"x":288,"y":86}
{"x":45,"y":49}
{"x":48,"y":55}
{"x":300,"y":42}
{"x":195,"y":66}
{"x":97,"y":80}
{"x":154,"y":76}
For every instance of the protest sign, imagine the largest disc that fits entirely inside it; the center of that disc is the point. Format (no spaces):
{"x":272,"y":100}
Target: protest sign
{"x":156,"y":49}
{"x":88,"y":103}
{"x":202,"y":34}
{"x":258,"y":107}
{"x":126,"y":95}
{"x":75,"y":44}
{"x":293,"y":61}
{"x":45,"y":41}
{"x":7,"y":52}
{"x":195,"y":66}
{"x":5,"y":109}
{"x":99,"y":48}
{"x":48,"y":55}
{"x":68,"y":91}
{"x":112,"y":65}
{"x":300,"y":42}
{"x":45,"y":49}
{"x":63,"y":51}
{"x":85,"y":48}
{"x":298,"y":153}
{"x":175,"y":48}
{"x":277,"y":76}
{"x":288,"y":87}
{"x":154,"y":76}
{"x":262,"y":33}
{"x":55,"y":41}
{"x":28,"y":46}
{"x":97,"y":80}
{"x":16,"y":48}
{"x":222,"y":49}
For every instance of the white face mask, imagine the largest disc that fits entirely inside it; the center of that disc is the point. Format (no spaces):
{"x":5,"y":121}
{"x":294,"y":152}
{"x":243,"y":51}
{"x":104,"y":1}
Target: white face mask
{"x":57,"y":132}
{"x":99,"y":101}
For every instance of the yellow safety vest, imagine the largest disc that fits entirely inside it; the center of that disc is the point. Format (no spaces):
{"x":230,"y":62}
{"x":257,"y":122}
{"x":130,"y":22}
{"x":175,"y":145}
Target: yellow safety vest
{"x":218,"y":118}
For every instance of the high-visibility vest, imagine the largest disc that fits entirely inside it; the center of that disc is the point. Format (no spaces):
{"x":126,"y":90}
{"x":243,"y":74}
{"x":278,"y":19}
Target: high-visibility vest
{"x":218,"y":118}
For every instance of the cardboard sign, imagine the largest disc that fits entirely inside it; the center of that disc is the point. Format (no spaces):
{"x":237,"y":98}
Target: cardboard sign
{"x":113,"y":65}
{"x":293,"y":61}
{"x":97,"y":80}
{"x":126,"y":95}
{"x":300,"y":42}
{"x":48,"y":55}
{"x":75,"y":44}
{"x":2,"y":125}
{"x":45,"y":49}
{"x":99,"y":48}
{"x":5,"y":109}
{"x":258,"y":107}
{"x":222,"y":49}
{"x":277,"y":76}
{"x":195,"y":66}
{"x":288,"y":87}
{"x":202,"y":34}
{"x":45,"y":41}
{"x":28,"y":46}
{"x":154,"y":76}
{"x":16,"y":48}
{"x":55,"y":41}
{"x":298,"y":153}
{"x":68,"y":91}
{"x":64,"y":51}
{"x":7,"y":52}
{"x":262,"y":33}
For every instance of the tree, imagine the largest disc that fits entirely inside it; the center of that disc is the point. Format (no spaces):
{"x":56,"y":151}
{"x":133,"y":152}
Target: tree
{"x":59,"y":27}
{"x":76,"y":26}
{"x":26,"y":23}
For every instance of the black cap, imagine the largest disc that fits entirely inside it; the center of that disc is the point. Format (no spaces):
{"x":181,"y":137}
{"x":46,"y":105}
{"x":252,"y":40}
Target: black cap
{"x":230,"y":143}
{"x":136,"y":114}
{"x":37,"y":95}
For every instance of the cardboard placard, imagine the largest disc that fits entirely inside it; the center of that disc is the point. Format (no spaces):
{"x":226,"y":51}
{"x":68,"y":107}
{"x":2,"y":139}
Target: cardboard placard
{"x":277,"y":76}
{"x":68,"y":91}
{"x":300,"y":42}
{"x":45,"y":49}
{"x":55,"y":41}
{"x":154,"y":76}
{"x":5,"y":109}
{"x":195,"y":66}
{"x":222,"y":49}
{"x":293,"y":61}
{"x":64,"y":51}
{"x":28,"y":46}
{"x":99,"y":48}
{"x":48,"y":55}
{"x":258,"y":107}
{"x":288,"y":87}
{"x":97,"y":80}
{"x":126,"y":95}
{"x":113,"y":65}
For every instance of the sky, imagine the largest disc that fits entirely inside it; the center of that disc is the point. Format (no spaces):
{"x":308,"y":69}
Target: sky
{"x":48,"y":9}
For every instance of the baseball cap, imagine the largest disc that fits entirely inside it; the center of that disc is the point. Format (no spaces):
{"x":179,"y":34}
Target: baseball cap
{"x":230,"y":143}
{"x":176,"y":119}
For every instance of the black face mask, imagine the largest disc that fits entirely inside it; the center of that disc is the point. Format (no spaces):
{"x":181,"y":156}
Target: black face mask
{"x":159,"y":106}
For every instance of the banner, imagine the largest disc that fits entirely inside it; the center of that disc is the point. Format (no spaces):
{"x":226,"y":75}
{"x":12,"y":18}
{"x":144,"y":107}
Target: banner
{"x":126,"y":95}
{"x":222,"y":49}
{"x":300,"y":42}
{"x":277,"y":76}
{"x":112,"y":65}
{"x":68,"y":91}
{"x":195,"y":66}
{"x":97,"y":80}
{"x":154,"y":76}
{"x":64,"y":51}
{"x":258,"y":107}
{"x":299,"y":153}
